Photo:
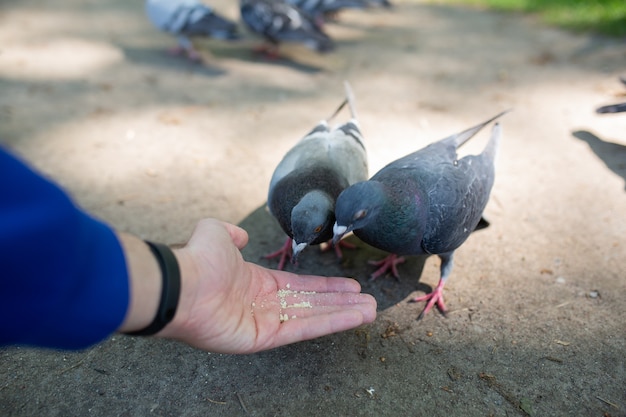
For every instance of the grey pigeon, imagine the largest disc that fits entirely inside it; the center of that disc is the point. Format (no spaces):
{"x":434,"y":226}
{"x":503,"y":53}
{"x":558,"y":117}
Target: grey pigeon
{"x":277,"y":21}
{"x":323,"y":10}
{"x":613,"y":108}
{"x":426,"y":203}
{"x":189,"y":18}
{"x":308,"y":179}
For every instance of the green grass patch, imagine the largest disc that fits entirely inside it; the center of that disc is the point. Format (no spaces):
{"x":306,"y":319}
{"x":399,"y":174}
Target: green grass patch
{"x":605,"y":17}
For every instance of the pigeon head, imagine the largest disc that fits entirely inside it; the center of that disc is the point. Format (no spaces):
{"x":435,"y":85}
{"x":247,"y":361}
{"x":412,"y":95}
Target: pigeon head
{"x":311,"y":221}
{"x":356,"y":207}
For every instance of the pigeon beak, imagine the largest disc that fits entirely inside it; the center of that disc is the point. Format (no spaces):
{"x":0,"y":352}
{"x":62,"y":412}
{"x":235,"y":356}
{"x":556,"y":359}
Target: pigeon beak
{"x":296,"y":248}
{"x":338,"y":232}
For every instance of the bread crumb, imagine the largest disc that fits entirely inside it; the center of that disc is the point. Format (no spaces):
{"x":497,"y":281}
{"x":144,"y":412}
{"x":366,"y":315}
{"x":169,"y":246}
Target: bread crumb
{"x":304,"y":304}
{"x":282,"y":294}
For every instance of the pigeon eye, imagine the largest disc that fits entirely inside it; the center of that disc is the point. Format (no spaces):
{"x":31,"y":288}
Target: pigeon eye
{"x":318,"y":229}
{"x":360,"y":214}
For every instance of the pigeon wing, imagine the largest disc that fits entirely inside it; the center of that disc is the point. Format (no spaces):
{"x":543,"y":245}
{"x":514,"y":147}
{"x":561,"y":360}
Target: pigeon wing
{"x":310,"y":150}
{"x":458,"y":196}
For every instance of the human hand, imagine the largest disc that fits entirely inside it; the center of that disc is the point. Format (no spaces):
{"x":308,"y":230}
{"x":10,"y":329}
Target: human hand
{"x":229,"y":305}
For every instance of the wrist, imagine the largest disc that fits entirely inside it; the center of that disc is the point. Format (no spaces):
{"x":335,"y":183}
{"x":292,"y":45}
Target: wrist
{"x":144,"y":283}
{"x":175,"y":329}
{"x":170,"y":290}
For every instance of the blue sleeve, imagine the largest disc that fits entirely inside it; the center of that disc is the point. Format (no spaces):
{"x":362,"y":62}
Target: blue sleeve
{"x":63,"y":277}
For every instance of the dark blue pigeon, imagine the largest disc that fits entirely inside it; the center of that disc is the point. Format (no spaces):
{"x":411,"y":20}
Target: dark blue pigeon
{"x":189,"y":18}
{"x":278,"y":21}
{"x":307,"y":181}
{"x":426,"y":203}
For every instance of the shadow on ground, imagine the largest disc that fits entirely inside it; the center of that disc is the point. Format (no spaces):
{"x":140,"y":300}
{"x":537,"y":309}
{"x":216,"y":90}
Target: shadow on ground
{"x":612,"y":154}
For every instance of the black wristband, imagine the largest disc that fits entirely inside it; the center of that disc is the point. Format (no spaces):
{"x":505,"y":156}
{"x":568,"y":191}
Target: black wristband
{"x":170,"y":291}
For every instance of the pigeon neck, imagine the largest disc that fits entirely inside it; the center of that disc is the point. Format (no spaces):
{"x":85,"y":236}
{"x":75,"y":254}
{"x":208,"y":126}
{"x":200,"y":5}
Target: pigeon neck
{"x":406,"y":205}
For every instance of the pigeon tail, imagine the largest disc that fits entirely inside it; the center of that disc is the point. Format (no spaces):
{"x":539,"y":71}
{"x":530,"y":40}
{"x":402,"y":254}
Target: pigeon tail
{"x":494,"y":142}
{"x":336,"y":112}
{"x":458,"y":139}
{"x":352,"y":127}
{"x":350,"y":100}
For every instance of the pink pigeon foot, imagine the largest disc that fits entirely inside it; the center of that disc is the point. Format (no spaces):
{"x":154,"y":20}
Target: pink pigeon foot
{"x":268,"y":51}
{"x":194,"y":55}
{"x":176,"y":51}
{"x":190,"y":53}
{"x":390,"y":262}
{"x":326,"y":247}
{"x":284,"y":252}
{"x":435,"y":297}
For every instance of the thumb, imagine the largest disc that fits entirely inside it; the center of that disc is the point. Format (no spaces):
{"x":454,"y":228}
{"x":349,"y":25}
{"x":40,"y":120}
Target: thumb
{"x":238,"y":235}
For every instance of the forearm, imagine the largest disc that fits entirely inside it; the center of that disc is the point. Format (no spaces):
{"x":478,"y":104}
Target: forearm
{"x":64,"y":280}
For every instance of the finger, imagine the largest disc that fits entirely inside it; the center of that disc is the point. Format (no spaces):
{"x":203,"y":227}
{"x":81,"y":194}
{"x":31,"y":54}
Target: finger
{"x":313,"y":300}
{"x":307,"y":305}
{"x":289,"y":281}
{"x":365,"y":303}
{"x":238,"y":235}
{"x":316,"y":326}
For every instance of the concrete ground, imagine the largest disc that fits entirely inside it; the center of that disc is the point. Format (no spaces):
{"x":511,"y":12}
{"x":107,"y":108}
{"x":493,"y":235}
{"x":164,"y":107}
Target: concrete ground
{"x":152,"y":143}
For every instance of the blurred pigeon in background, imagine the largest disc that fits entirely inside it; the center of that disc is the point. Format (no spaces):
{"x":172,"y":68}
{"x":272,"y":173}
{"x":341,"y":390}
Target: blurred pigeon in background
{"x":277,"y":21}
{"x":323,"y":10}
{"x":307,"y":181}
{"x":426,"y":203}
{"x":613,"y":108}
{"x":189,"y":18}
